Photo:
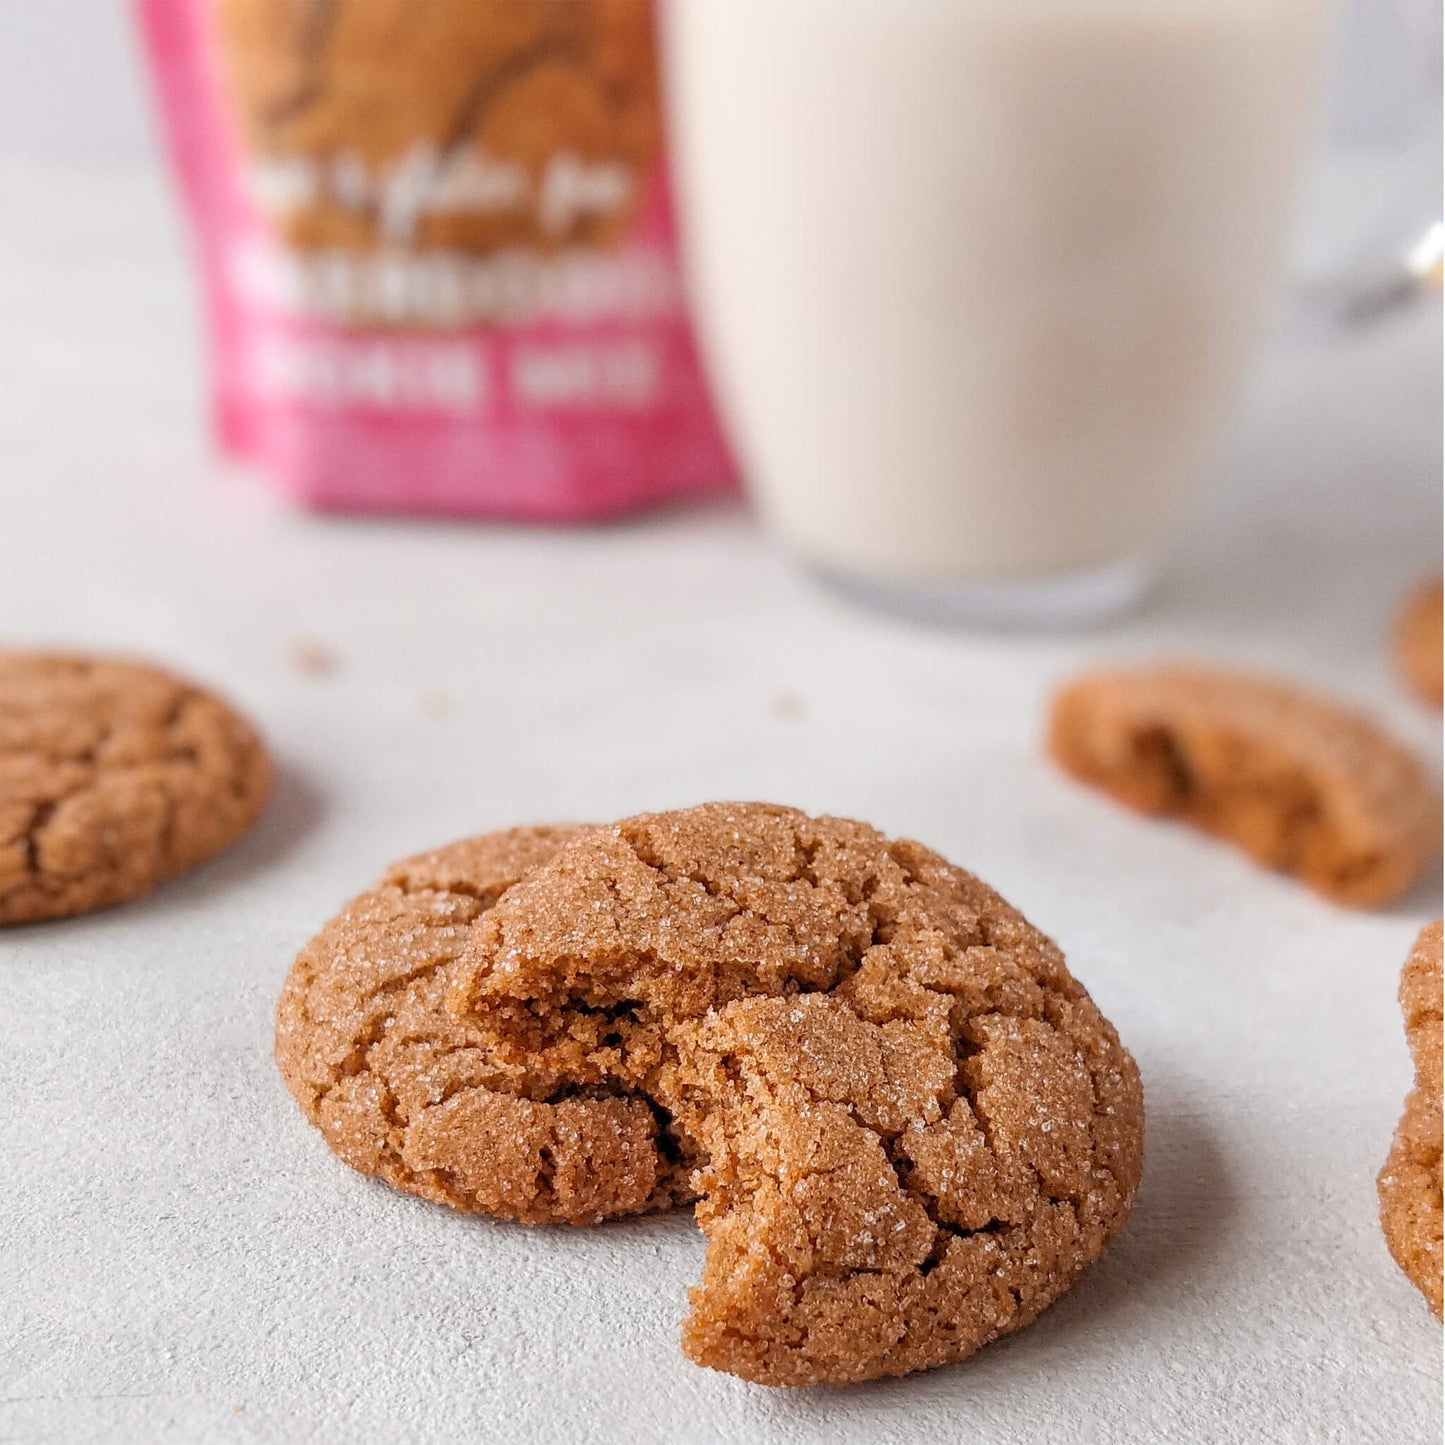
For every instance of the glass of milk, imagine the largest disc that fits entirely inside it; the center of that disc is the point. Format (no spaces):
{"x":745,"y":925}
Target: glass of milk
{"x":978,"y":279}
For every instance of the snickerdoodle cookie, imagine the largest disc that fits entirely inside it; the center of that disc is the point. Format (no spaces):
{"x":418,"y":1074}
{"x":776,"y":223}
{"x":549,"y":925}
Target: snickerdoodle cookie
{"x":915,"y":1129}
{"x":114,"y":776}
{"x":1418,"y":642}
{"x":912,"y":1127}
{"x":1300,"y":783}
{"x":1410,"y":1187}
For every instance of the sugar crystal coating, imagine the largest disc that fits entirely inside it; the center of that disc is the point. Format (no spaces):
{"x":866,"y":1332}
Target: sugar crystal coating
{"x":403,"y":1091}
{"x":114,"y":776}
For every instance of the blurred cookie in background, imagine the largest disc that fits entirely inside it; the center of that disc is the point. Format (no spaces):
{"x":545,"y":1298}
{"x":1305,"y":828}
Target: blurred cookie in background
{"x":1302,"y":784}
{"x":114,"y":776}
{"x":1418,"y":642}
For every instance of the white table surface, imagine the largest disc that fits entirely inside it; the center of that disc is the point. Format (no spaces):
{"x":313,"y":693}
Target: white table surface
{"x":181,"y":1258}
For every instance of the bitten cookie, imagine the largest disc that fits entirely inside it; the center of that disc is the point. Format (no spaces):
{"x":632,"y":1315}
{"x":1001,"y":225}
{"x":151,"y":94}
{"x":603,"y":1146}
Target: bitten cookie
{"x":114,"y":776}
{"x":1301,"y":784}
{"x":403,"y":1091}
{"x":1410,"y":1183}
{"x":1418,"y":642}
{"x":918,"y":1130}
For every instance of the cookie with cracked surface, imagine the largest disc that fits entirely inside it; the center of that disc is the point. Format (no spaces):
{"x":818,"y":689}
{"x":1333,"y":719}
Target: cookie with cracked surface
{"x":404,"y":1091}
{"x":1301,"y":784}
{"x":886,"y":1196}
{"x":114,"y":776}
{"x":1410,"y":1182}
{"x":1418,"y":642}
{"x":841,"y":1026}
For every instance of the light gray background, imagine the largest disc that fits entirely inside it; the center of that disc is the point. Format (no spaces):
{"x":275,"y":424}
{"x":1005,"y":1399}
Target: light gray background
{"x":180,"y":1256}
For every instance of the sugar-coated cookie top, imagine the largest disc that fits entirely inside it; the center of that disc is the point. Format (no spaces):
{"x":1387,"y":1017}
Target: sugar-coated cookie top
{"x":114,"y":776}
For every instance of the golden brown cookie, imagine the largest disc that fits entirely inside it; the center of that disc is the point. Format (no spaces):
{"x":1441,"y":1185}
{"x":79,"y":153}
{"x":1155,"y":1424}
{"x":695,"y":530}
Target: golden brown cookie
{"x":1418,"y":642}
{"x":114,"y":776}
{"x":1410,"y":1184}
{"x":1299,"y":783}
{"x":403,"y":1091}
{"x":917,"y":1128}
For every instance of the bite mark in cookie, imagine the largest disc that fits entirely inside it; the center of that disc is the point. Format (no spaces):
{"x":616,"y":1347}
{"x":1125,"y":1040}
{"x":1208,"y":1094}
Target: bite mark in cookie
{"x":841,"y":1026}
{"x":1410,"y":1182}
{"x":114,"y":776}
{"x":1302,"y":785}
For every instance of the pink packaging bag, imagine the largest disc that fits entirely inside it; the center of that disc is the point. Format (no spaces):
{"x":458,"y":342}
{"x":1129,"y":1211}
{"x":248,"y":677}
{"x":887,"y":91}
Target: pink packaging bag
{"x":438,"y":251}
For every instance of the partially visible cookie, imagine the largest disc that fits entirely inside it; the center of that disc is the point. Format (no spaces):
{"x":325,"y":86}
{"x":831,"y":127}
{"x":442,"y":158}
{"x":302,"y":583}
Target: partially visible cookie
{"x":1418,"y":642}
{"x":1410,"y":1182}
{"x":1299,"y":783}
{"x":403,"y":1091}
{"x":916,"y":1129}
{"x":114,"y":776}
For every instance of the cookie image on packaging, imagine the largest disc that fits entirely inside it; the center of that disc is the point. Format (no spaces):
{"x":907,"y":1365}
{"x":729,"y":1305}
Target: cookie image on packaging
{"x":1418,"y":642}
{"x":1410,"y":1182}
{"x":445,"y":124}
{"x":1301,"y":784}
{"x":915,"y":1130}
{"x":114,"y":776}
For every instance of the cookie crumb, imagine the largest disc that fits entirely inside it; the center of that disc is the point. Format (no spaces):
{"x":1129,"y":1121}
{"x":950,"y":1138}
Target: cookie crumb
{"x":786,"y":705}
{"x":311,"y":659}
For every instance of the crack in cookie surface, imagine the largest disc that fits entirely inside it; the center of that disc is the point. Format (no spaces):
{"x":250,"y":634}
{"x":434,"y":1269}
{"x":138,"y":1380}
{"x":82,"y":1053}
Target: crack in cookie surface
{"x":114,"y":776}
{"x":916,"y":1128}
{"x":670,"y":915}
{"x":1302,"y":785}
{"x":828,"y":1262}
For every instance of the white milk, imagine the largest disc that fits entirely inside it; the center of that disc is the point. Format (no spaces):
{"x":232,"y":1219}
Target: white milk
{"x":978,"y":278}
